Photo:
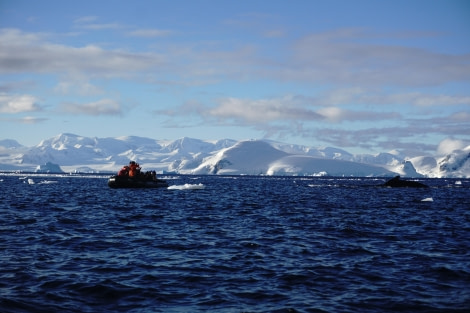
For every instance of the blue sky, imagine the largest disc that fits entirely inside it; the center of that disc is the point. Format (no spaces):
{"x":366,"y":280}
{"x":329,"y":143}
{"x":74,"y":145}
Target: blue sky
{"x":366,"y":76}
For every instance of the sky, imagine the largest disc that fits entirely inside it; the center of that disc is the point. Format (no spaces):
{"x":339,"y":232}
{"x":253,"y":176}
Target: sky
{"x":364,"y":76}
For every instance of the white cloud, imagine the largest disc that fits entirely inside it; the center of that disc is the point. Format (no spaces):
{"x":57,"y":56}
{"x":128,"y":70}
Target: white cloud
{"x":149,"y":33}
{"x":343,"y":57}
{"x":264,"y":110}
{"x":448,"y":145}
{"x":101,"y":107}
{"x":101,"y":26}
{"x":352,"y":56}
{"x":332,"y":113}
{"x":23,"y":52}
{"x":440,"y":100}
{"x":349,"y":95}
{"x":290,"y":108}
{"x":461,"y":117}
{"x":336,"y":114}
{"x":18,"y":103}
{"x":77,"y":86}
{"x":376,"y":96}
{"x":32,"y":120}
{"x":89,"y":22}
{"x":86,"y":19}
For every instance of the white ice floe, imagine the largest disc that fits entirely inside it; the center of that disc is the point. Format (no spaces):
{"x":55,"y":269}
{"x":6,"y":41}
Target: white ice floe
{"x":187,"y":186}
{"x":46,"y":182}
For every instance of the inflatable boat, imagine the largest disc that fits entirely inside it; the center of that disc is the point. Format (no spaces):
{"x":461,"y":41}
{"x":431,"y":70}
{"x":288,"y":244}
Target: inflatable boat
{"x":128,"y":182}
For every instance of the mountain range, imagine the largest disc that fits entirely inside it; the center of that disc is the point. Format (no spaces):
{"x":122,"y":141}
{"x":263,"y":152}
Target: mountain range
{"x":74,"y":153}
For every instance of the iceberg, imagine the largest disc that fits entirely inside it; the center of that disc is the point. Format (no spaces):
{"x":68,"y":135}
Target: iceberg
{"x":48,"y":168}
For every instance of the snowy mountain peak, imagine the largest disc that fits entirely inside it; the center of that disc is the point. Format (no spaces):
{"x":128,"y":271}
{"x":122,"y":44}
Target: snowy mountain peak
{"x":406,"y":169}
{"x":194,"y":156}
{"x":335,"y":153}
{"x":66,"y":141}
{"x":245,"y":157}
{"x":9,"y":144}
{"x":456,"y":164}
{"x":188,"y":145}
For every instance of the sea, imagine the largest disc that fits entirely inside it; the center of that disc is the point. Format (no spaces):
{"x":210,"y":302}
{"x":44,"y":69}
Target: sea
{"x":69,"y":243}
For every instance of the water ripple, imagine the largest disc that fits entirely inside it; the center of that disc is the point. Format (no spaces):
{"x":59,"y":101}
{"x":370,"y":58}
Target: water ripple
{"x":241,"y":244}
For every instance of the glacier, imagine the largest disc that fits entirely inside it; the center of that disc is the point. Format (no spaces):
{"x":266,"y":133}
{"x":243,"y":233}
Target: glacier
{"x":78,"y":154}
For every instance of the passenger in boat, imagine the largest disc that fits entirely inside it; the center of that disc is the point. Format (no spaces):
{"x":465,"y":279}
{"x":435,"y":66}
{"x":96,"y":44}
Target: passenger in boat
{"x":134,"y":169}
{"x":149,"y":175}
{"x":124,"y":171}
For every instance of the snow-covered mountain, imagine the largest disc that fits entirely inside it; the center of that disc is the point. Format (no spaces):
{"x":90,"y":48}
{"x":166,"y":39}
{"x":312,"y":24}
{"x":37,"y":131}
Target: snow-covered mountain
{"x":75,"y":153}
{"x":456,"y":164}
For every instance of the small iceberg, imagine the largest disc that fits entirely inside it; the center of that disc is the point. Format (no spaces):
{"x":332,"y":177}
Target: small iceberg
{"x":430,"y":199}
{"x":458,"y":182}
{"x":30,"y":181}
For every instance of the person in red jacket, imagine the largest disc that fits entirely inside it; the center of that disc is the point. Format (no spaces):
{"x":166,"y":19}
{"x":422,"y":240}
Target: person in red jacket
{"x":124,"y":171}
{"x":134,"y":169}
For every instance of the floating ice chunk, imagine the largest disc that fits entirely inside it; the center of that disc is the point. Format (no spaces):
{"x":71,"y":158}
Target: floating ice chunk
{"x":458,"y":182}
{"x":187,"y":186}
{"x":30,"y":181}
{"x":430,"y":199}
{"x":48,"y":182}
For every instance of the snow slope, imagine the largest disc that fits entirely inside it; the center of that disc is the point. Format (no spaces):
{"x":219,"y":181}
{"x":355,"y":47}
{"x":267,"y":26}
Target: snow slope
{"x":245,"y":157}
{"x":307,"y":165}
{"x":75,"y":153}
{"x":455,"y":164}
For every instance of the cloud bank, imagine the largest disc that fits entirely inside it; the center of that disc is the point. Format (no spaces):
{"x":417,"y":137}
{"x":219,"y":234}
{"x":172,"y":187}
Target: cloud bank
{"x":350,"y":87}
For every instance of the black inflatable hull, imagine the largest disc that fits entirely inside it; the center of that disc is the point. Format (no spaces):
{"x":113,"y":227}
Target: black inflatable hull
{"x":126,"y":182}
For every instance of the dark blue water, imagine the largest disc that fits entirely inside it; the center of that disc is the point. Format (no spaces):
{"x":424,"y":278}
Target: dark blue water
{"x":240,"y":244}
